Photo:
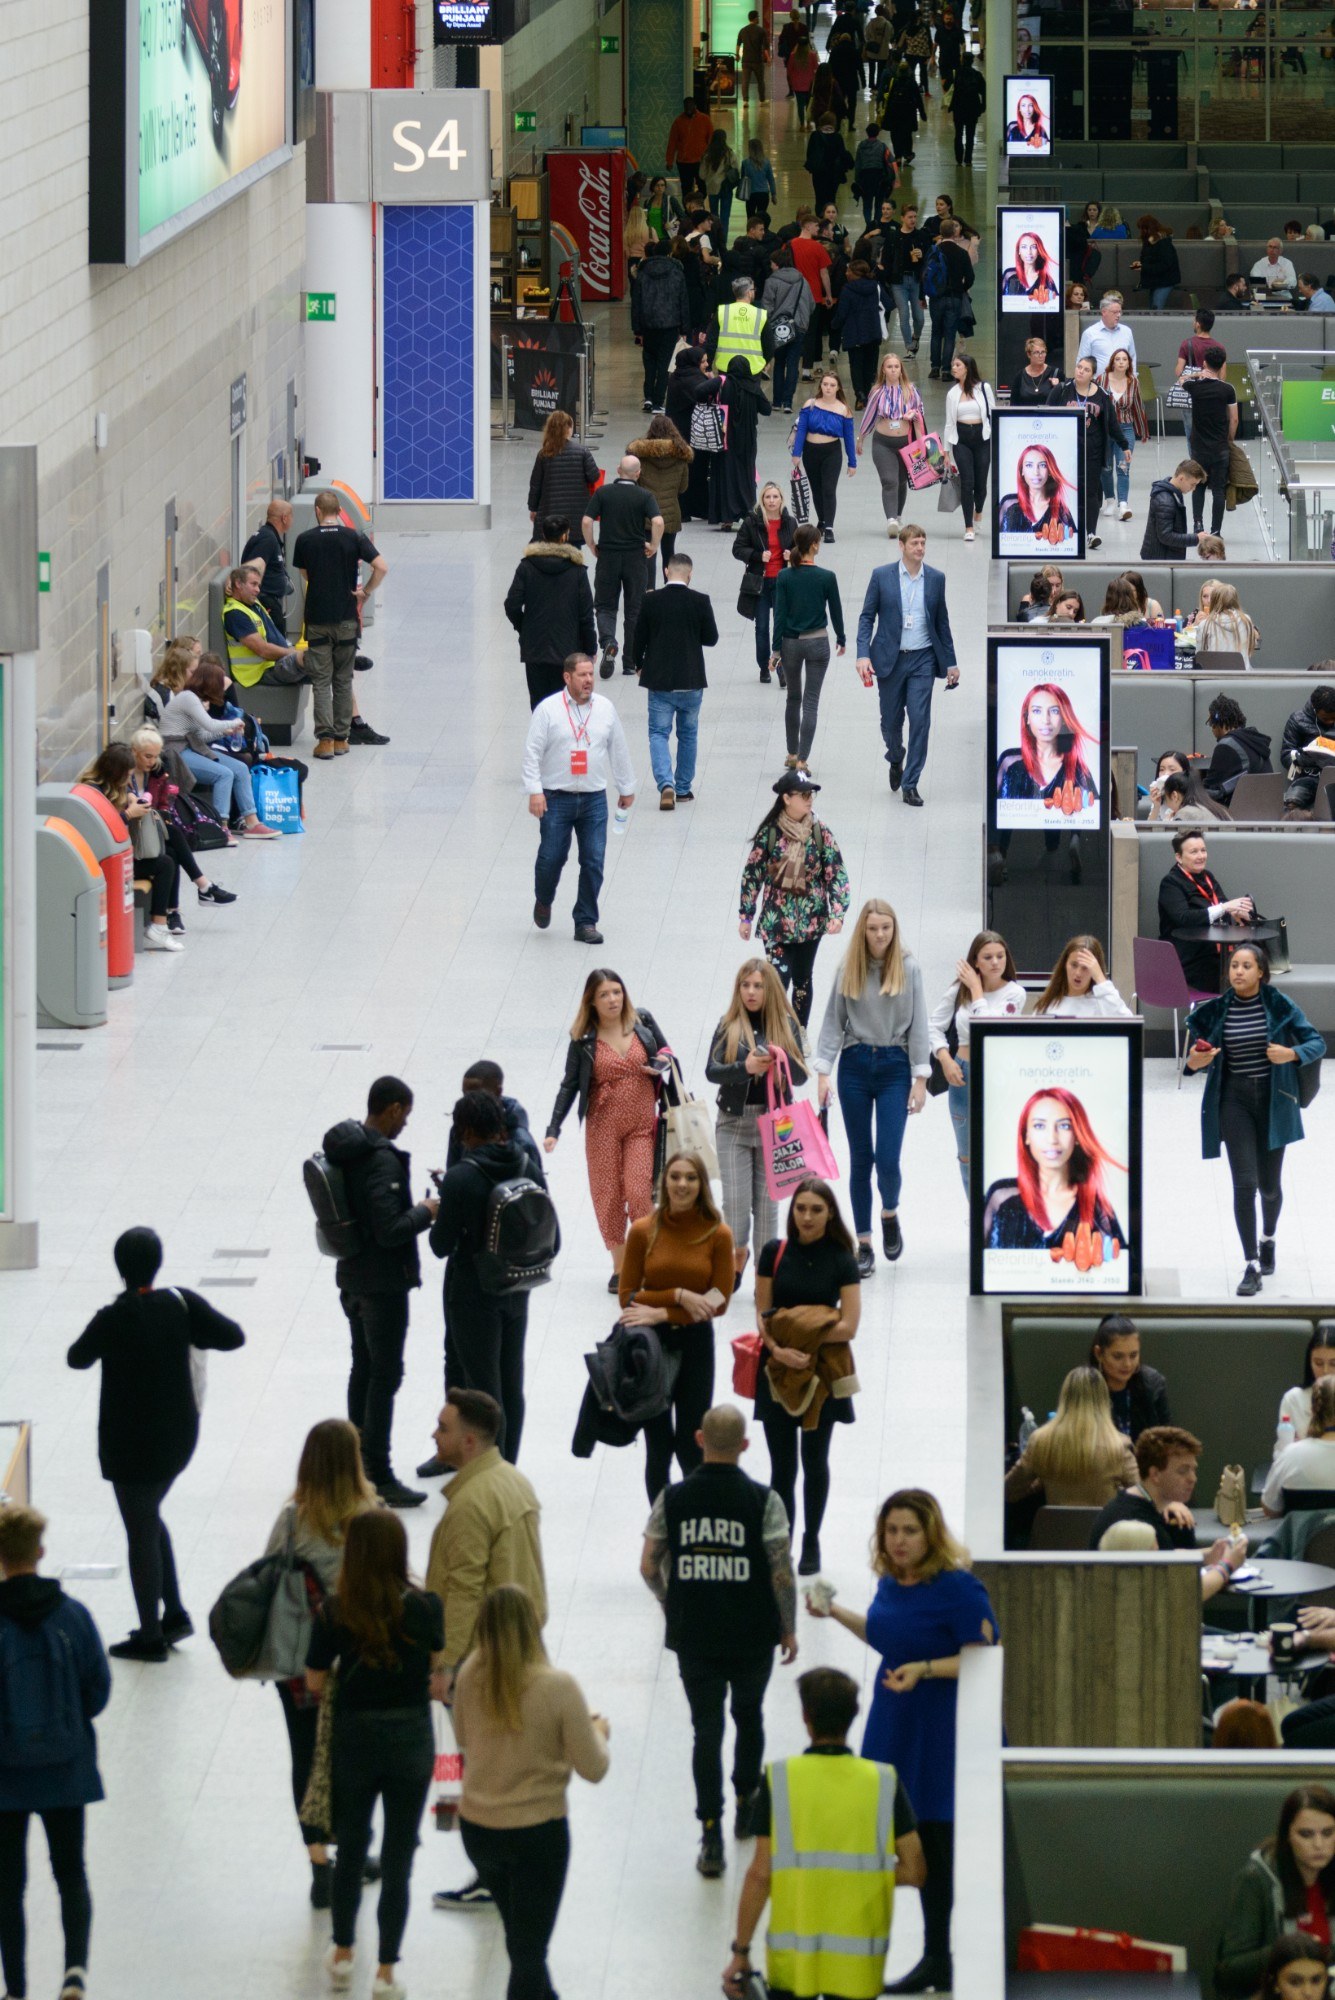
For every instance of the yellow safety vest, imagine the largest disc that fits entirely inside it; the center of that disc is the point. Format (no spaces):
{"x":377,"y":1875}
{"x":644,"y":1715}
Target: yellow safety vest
{"x":739,"y":331}
{"x":832,"y":1887}
{"x":245,"y":667}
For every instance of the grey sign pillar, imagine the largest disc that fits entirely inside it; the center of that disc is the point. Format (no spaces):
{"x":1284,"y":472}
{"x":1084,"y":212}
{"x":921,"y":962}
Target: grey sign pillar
{"x":18,"y":855}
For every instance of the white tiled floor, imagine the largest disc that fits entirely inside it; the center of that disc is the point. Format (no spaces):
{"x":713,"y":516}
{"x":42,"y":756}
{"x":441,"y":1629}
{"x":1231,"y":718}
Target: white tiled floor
{"x":401,"y":921}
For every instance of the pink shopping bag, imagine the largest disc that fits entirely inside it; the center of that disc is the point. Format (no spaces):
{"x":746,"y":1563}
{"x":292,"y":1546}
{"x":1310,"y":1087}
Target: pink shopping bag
{"x":792,"y":1135}
{"x":924,"y":461}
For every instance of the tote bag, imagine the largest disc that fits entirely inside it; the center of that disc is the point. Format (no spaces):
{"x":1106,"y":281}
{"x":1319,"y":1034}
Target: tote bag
{"x":800,"y":488}
{"x":277,"y":797}
{"x":1064,"y":1948}
{"x":709,"y":426}
{"x":791,"y":1135}
{"x":688,"y":1125}
{"x":924,"y":461}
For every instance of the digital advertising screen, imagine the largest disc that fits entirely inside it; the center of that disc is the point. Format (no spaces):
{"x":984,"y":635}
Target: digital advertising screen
{"x":473,"y":21}
{"x":1055,"y":1151}
{"x":189,"y":103}
{"x":1029,"y":117}
{"x":1029,"y":259}
{"x":1048,"y":732}
{"x":1038,"y":484}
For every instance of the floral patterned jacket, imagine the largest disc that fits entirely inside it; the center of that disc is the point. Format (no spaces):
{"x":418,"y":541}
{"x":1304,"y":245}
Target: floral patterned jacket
{"x":792,"y":919}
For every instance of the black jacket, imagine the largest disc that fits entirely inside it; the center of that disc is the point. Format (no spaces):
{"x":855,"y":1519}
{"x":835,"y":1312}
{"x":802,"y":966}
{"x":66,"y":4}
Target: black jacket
{"x":378,"y":1176}
{"x":1149,"y":1400}
{"x":1026,"y":389}
{"x":658,"y":297}
{"x":675,"y":625}
{"x":550,"y":604}
{"x":745,"y":259}
{"x":959,"y":269}
{"x":970,"y":97}
{"x":750,"y":544}
{"x":688,"y":385}
{"x":736,"y":1084}
{"x":148,"y":1421}
{"x":517,"y":1126}
{"x":1300,"y":729}
{"x":1235,"y":755}
{"x":465,"y":1191}
{"x":1103,"y":433}
{"x":1182,"y":908}
{"x":857,"y":317}
{"x":631,"y":1377}
{"x":578,"y":1079}
{"x":1166,"y":536}
{"x":1158,"y":265}
{"x":562,"y":484}
{"x":897,"y":255}
{"x":828,"y":159}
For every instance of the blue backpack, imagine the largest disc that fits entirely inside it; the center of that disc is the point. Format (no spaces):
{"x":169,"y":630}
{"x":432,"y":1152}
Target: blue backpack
{"x":41,"y":1695}
{"x":934,"y":274}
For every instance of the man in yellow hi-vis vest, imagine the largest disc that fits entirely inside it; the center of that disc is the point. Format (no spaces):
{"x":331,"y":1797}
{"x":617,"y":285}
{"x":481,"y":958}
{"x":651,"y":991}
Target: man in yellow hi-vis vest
{"x":256,"y":649}
{"x":842,"y":1835}
{"x":739,"y":329}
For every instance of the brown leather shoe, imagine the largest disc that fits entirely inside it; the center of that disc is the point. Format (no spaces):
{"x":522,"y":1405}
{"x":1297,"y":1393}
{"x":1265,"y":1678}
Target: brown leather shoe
{"x":325,"y":747}
{"x":341,"y":746}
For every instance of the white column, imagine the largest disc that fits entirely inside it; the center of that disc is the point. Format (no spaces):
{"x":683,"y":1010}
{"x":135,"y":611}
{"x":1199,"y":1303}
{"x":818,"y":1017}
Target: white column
{"x":340,"y":354}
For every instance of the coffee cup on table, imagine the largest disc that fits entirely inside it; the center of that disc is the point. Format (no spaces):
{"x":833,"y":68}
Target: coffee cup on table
{"x":1283,"y":1648}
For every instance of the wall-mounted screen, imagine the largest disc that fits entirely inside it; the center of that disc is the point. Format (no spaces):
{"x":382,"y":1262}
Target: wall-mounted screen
{"x":1029,"y":259}
{"x":1029,"y":117}
{"x":473,"y":21}
{"x":189,"y":104}
{"x":1038,"y":484}
{"x":1055,"y":1148}
{"x":1048,"y":732}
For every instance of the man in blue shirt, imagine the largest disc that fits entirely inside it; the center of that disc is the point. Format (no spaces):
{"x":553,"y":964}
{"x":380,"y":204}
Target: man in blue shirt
{"x":1317,"y":297}
{"x":912,"y":648}
{"x":1101,"y":342}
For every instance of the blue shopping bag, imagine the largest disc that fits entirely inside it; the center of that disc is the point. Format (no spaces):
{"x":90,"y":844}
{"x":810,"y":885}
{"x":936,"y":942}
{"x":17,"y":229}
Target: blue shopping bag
{"x":277,"y":797}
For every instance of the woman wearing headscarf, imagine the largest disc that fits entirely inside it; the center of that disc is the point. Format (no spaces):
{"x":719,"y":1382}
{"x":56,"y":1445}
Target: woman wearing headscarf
{"x":690,"y":383}
{"x":732,"y":472}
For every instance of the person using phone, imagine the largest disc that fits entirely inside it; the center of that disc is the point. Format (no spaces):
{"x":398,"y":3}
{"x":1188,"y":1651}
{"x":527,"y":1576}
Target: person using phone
{"x":1251,"y":1042}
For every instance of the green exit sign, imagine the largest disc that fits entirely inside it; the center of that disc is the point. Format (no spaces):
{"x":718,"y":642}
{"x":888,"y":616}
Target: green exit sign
{"x":43,"y":571}
{"x":321,"y":305}
{"x":609,"y":45}
{"x":526,"y":121}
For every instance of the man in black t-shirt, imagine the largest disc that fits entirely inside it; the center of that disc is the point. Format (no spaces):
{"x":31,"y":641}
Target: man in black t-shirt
{"x":630,"y":527}
{"x":1166,"y":1459}
{"x":1214,"y":425}
{"x":330,"y":557}
{"x":266,"y":545}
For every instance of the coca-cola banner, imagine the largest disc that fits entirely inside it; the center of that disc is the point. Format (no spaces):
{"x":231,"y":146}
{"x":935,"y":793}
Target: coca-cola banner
{"x":587,"y":188}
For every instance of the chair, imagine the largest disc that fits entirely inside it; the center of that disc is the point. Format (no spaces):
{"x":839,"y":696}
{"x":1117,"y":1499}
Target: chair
{"x":1219,"y":663}
{"x":1161,"y":982}
{"x":1258,"y":795}
{"x":1063,"y":1527}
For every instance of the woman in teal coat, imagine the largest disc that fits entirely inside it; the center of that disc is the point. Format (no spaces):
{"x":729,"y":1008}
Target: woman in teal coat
{"x":1253,"y":1043}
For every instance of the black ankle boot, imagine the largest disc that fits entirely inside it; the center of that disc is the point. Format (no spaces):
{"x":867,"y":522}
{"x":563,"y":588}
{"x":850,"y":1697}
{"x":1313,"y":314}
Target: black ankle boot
{"x":1267,"y":1247}
{"x":929,"y":1975}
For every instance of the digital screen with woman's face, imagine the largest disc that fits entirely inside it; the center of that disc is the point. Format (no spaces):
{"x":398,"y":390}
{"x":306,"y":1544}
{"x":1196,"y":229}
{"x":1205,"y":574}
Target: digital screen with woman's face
{"x":1029,"y":252}
{"x":1050,"y":729}
{"x":1036,"y":493}
{"x":1029,"y":116}
{"x":1055,"y":1196}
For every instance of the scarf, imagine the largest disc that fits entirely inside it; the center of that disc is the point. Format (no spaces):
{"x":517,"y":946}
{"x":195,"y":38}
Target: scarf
{"x":791,"y":870}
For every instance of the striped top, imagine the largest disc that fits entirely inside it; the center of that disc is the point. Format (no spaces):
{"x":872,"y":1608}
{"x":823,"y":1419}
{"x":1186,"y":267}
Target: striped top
{"x":1246,"y":1037}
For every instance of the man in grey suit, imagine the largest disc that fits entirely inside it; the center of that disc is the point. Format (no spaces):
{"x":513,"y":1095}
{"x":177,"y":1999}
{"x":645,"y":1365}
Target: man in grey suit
{"x":912,"y":648}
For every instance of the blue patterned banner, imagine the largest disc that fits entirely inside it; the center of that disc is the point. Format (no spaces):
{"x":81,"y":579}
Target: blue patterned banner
{"x":428,"y":366}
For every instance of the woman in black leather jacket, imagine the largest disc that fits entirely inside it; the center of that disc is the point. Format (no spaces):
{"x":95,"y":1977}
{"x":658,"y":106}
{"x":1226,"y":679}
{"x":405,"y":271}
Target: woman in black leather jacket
{"x":1139,"y":1394}
{"x":763,"y":539}
{"x":759,"y":1019}
{"x":615,"y":1068}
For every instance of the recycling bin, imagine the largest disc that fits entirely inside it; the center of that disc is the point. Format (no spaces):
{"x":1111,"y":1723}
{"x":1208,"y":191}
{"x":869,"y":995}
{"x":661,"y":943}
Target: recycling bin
{"x":107,"y":834}
{"x":71,"y":929}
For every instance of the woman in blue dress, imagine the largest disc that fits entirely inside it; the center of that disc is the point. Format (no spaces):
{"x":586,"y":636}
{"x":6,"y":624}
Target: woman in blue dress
{"x":927,"y":1609}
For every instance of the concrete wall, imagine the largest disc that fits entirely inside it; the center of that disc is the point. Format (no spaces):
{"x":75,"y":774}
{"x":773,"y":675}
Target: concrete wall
{"x":155,"y":349}
{"x":551,"y":67}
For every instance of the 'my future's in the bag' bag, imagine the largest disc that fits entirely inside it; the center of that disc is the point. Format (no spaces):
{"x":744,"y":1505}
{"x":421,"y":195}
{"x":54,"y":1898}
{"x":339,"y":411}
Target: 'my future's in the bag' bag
{"x":791,"y":1135}
{"x":277,"y":797}
{"x":924,"y":461}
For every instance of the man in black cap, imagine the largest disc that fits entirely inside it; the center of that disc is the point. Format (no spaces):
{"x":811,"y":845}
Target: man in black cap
{"x":717,"y":1558}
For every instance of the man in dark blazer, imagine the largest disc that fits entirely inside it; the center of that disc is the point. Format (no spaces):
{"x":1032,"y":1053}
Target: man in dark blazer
{"x":675,"y":626}
{"x":912,"y":648}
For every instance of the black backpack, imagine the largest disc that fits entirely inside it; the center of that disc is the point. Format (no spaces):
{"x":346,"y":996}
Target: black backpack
{"x":41,"y":1700}
{"x":520,"y":1238}
{"x":337,"y":1231}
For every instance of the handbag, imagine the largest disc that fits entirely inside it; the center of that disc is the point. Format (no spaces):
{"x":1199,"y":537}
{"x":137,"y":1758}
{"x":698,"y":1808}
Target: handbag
{"x":948,"y":497}
{"x":1230,"y":1502}
{"x":1309,"y":1082}
{"x":317,"y":1806}
{"x":748,"y":1349}
{"x":1066,"y":1948}
{"x":800,"y":488}
{"x":448,"y":1773}
{"x":277,"y":797}
{"x":709,"y":426}
{"x":791,"y":1135}
{"x":147,"y":837}
{"x":924,"y":461}
{"x":937,"y":1085}
{"x":688,"y":1125}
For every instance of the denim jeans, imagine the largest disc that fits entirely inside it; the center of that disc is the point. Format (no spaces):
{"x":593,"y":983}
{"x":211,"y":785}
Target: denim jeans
{"x":787,"y":363}
{"x":945,"y":319}
{"x":216,"y":774}
{"x":1116,"y":478}
{"x":684,"y":707}
{"x":1159,"y":298}
{"x":809,"y":651}
{"x":907,"y":689}
{"x":873,"y":1084}
{"x":583,"y":814}
{"x":957,"y":1096}
{"x":908,"y":304}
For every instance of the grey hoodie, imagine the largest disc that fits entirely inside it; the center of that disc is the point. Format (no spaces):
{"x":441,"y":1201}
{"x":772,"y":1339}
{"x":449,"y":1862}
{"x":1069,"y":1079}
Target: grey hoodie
{"x":1254,"y":1920}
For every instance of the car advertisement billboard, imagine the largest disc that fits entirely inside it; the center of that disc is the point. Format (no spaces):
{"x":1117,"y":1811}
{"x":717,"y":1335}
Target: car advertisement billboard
{"x":189,"y":104}
{"x":1055,"y":1152}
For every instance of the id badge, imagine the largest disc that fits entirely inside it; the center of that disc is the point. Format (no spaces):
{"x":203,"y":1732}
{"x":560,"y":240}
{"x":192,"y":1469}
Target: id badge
{"x":579,"y":763}
{"x":908,"y":623}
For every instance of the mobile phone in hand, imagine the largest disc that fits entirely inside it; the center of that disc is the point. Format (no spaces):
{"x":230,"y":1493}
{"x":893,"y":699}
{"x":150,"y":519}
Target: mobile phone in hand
{"x":1201,"y":1047}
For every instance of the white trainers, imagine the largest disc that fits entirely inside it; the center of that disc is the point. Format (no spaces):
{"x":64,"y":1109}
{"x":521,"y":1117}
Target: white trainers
{"x":388,"y":1989}
{"x":158,"y":938}
{"x":1124,"y":512}
{"x":340,"y":1970}
{"x":892,"y":525}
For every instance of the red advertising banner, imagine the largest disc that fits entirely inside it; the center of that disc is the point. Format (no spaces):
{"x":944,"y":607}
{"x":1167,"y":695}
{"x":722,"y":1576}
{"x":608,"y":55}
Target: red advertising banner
{"x":587,"y":189}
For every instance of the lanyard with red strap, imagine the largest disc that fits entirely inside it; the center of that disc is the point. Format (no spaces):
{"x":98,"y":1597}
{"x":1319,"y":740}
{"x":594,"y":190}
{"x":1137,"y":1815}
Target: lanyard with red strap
{"x":579,"y":729}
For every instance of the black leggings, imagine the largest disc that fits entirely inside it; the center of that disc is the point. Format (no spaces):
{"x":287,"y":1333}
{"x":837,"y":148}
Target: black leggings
{"x":385,"y":1754}
{"x":822,"y":462}
{"x":484,"y":1349}
{"x":938,"y":1891}
{"x":795,"y":964}
{"x":972,"y":452}
{"x":151,"y":1560}
{"x":301,"y":1724}
{"x":674,"y":1431}
{"x":1256,"y":1165}
{"x":525,"y":1869}
{"x":862,"y":361}
{"x":803,"y":653}
{"x":783,"y":1434}
{"x":180,"y":851}
{"x":163,"y":877}
{"x":64,"y":1843}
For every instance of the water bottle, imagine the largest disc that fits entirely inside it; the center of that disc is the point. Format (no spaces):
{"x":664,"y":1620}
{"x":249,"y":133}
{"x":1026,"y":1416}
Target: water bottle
{"x":619,"y":818}
{"x":1284,"y":1434}
{"x":1028,"y":1425}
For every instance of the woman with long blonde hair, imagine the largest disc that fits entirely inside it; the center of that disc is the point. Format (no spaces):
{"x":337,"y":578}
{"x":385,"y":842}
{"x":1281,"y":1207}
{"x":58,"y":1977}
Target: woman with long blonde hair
{"x":523,"y":1726}
{"x":331,"y":1488}
{"x":1222,"y":626}
{"x":677,"y":1275}
{"x":1078,"y":1458}
{"x":894,"y":415}
{"x":758,"y":1020}
{"x":876,"y":1028}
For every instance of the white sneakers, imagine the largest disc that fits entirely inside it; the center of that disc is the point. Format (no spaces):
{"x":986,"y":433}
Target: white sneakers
{"x":1124,"y":512}
{"x":158,"y":938}
{"x":340,"y":1970}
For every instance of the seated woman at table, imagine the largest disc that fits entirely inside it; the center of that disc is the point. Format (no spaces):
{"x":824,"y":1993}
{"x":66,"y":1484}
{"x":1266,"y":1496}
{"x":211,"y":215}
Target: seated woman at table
{"x":1079,"y":1458}
{"x":1168,"y":764}
{"x":1176,"y":805}
{"x":1191,"y":899}
{"x":1286,"y":1884}
{"x":1244,"y":1725}
{"x":1307,"y":1466}
{"x":1319,"y":1360}
{"x":1138,"y":1394}
{"x":1298,"y":1968}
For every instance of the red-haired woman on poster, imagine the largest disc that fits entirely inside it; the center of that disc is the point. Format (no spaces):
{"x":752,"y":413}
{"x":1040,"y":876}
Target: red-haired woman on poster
{"x":1055,"y":751}
{"x":1058,"y":1190}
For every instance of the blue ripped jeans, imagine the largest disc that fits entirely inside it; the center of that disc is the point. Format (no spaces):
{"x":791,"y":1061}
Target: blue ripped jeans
{"x":873,"y":1085}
